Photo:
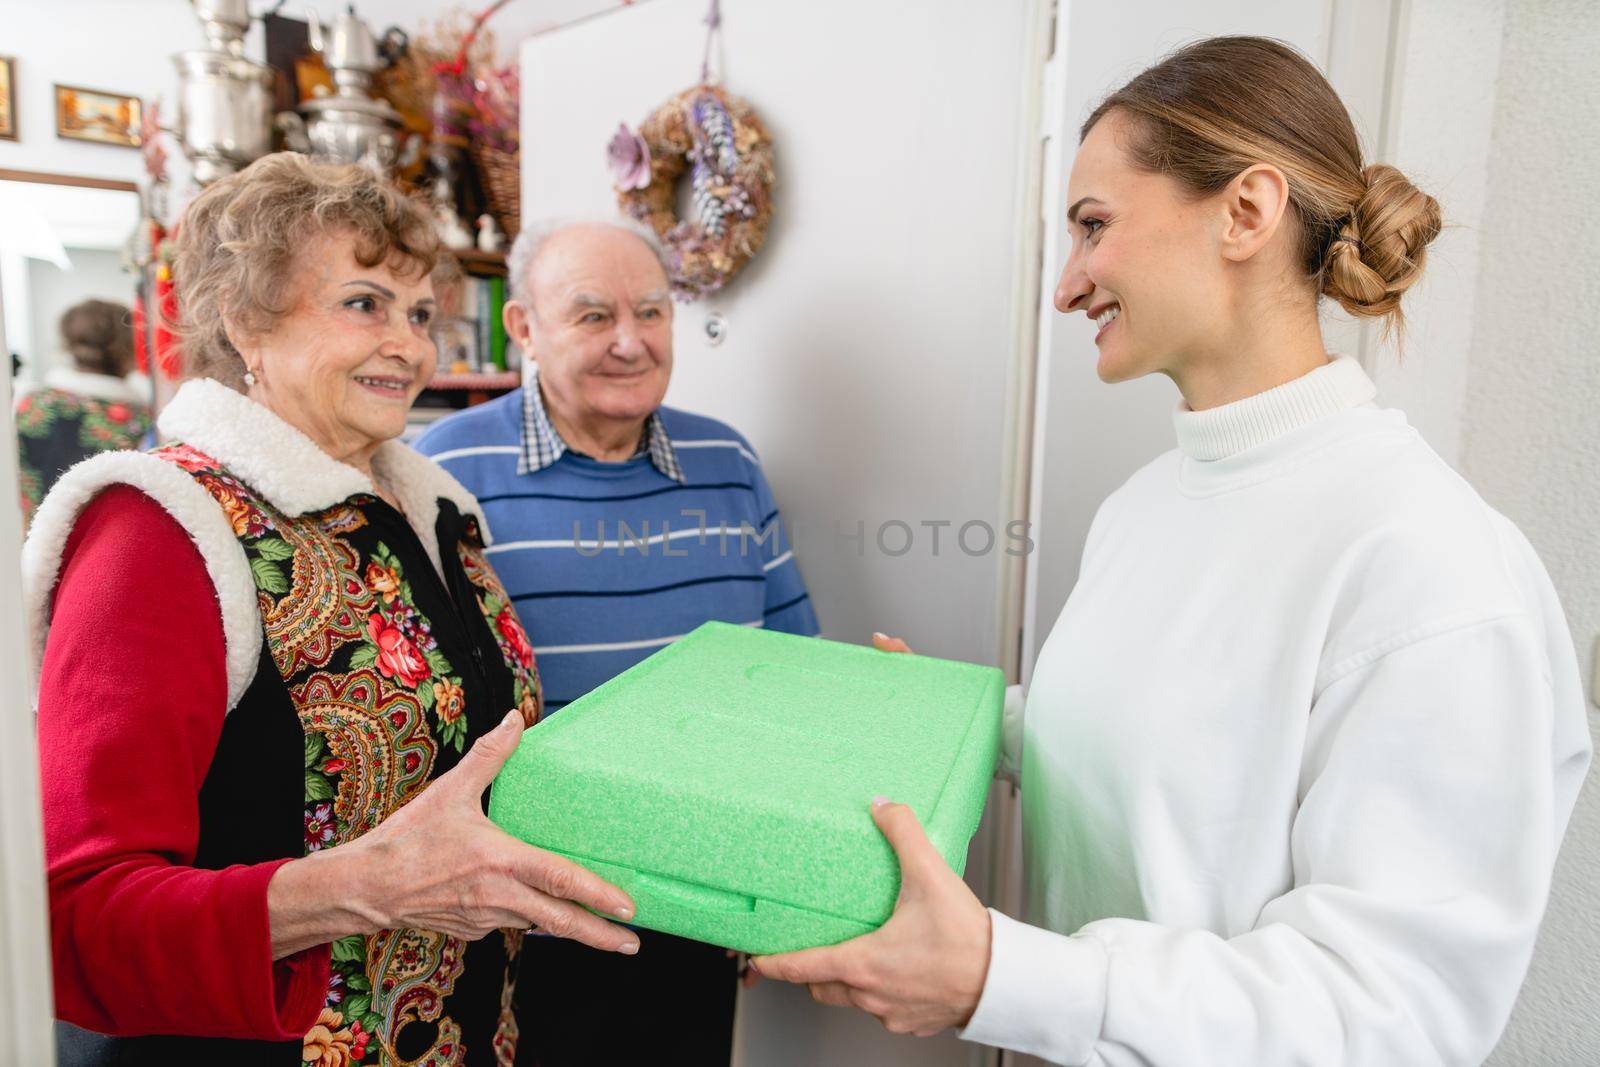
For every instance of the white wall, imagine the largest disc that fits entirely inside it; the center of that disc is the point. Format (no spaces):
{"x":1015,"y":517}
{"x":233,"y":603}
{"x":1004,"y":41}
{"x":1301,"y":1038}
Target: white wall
{"x":1499,"y":370}
{"x":1448,"y":61}
{"x":1530,"y":432}
{"x":509,"y":26}
{"x":113,"y":45}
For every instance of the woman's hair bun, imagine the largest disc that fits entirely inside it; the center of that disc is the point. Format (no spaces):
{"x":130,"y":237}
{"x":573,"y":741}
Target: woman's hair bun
{"x":98,"y":334}
{"x":1380,"y":249}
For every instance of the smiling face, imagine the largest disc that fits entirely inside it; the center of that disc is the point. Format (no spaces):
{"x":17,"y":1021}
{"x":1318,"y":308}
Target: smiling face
{"x":1146,"y":264}
{"x":345,"y":363}
{"x":600,"y":327}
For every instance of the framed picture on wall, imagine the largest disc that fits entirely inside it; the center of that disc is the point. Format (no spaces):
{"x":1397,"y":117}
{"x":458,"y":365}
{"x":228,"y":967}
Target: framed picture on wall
{"x":8,"y":98}
{"x":97,"y":116}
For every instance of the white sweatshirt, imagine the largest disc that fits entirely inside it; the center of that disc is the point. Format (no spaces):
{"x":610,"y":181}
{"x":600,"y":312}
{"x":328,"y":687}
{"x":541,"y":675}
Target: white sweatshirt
{"x":1296,"y":759}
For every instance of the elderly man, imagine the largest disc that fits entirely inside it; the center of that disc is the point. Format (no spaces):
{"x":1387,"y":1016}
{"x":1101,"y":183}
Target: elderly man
{"x":619,"y":525}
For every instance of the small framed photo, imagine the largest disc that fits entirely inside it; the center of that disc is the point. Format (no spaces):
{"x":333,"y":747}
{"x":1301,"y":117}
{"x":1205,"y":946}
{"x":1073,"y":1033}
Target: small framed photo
{"x":97,"y":116}
{"x":8,"y":98}
{"x":457,"y":341}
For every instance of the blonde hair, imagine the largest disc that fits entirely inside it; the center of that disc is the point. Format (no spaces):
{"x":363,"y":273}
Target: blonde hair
{"x":1210,"y":110}
{"x":238,"y":240}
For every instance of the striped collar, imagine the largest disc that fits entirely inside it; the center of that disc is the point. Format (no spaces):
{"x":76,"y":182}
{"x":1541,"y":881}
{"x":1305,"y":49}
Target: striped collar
{"x":542,"y":445}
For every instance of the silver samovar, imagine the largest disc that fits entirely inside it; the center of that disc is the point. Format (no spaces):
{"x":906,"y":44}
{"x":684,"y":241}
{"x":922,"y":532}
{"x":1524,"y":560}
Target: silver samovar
{"x":224,"y":99}
{"x":349,"y":125}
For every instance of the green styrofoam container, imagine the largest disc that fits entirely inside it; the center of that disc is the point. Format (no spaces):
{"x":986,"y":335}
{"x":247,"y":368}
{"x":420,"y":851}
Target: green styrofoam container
{"x":725,"y":783}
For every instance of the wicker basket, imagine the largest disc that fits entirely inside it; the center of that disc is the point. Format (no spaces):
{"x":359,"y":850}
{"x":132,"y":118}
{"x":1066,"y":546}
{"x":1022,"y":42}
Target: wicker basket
{"x":502,"y":183}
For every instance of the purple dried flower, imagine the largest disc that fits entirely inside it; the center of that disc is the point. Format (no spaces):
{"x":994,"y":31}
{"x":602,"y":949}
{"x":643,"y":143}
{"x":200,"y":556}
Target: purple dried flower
{"x":629,"y":157}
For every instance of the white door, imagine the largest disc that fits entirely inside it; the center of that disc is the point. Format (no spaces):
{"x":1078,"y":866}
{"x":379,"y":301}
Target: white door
{"x":872,"y":346}
{"x":26,"y":996}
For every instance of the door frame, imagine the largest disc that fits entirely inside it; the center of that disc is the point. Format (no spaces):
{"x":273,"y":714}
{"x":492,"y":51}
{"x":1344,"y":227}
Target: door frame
{"x":26,"y":1002}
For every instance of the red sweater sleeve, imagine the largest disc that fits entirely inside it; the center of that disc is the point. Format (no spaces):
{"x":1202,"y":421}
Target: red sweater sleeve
{"x":132,"y":698}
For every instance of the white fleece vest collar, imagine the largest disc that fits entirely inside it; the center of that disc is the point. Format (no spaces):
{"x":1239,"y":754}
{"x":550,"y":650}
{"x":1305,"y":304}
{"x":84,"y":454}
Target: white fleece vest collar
{"x":295,"y":476}
{"x":274,"y":459}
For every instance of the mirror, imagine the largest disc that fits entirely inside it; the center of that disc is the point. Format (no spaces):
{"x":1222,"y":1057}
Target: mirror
{"x":68,"y":287}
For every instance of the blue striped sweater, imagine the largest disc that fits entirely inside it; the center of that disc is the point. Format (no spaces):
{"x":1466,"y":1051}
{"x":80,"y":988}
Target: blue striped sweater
{"x":608,"y":562}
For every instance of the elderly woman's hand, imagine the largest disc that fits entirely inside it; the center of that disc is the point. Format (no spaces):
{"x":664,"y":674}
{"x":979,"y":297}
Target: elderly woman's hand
{"x":924,"y":969}
{"x":439,"y":864}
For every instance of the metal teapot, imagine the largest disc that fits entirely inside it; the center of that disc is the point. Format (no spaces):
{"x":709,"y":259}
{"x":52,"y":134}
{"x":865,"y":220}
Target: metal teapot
{"x":349,"y":49}
{"x":350,"y":125}
{"x":224,"y":99}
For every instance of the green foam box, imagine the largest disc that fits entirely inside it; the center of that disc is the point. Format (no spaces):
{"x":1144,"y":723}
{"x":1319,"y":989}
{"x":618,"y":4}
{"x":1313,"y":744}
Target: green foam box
{"x":725,"y":783}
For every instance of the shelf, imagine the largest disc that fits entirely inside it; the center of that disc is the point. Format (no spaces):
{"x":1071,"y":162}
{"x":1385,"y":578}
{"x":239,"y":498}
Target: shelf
{"x":502,"y":381}
{"x":483,"y":264}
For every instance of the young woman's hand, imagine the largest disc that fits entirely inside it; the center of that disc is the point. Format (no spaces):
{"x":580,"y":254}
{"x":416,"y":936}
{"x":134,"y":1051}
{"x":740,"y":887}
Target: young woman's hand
{"x":439,"y":864}
{"x":748,"y":975}
{"x":885,"y":643}
{"x":923,"y":970}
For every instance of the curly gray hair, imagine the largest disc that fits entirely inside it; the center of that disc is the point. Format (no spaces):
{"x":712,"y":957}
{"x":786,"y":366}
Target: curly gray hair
{"x":238,"y":241}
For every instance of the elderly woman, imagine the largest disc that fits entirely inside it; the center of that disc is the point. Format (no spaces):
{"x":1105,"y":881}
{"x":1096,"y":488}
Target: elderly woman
{"x":86,"y":408}
{"x":276,"y":674}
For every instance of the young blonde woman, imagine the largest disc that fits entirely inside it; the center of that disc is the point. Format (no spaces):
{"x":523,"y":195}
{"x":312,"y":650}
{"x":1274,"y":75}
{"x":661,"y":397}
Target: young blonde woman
{"x":1298,"y":754}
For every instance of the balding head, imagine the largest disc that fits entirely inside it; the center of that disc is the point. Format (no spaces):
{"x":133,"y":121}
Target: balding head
{"x":564,"y":234}
{"x":593,"y":308}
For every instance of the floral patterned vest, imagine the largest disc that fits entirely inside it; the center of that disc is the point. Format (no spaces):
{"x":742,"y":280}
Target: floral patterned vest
{"x":377,"y":673}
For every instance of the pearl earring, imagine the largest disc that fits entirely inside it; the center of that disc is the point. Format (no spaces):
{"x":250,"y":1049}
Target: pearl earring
{"x":249,"y":379}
